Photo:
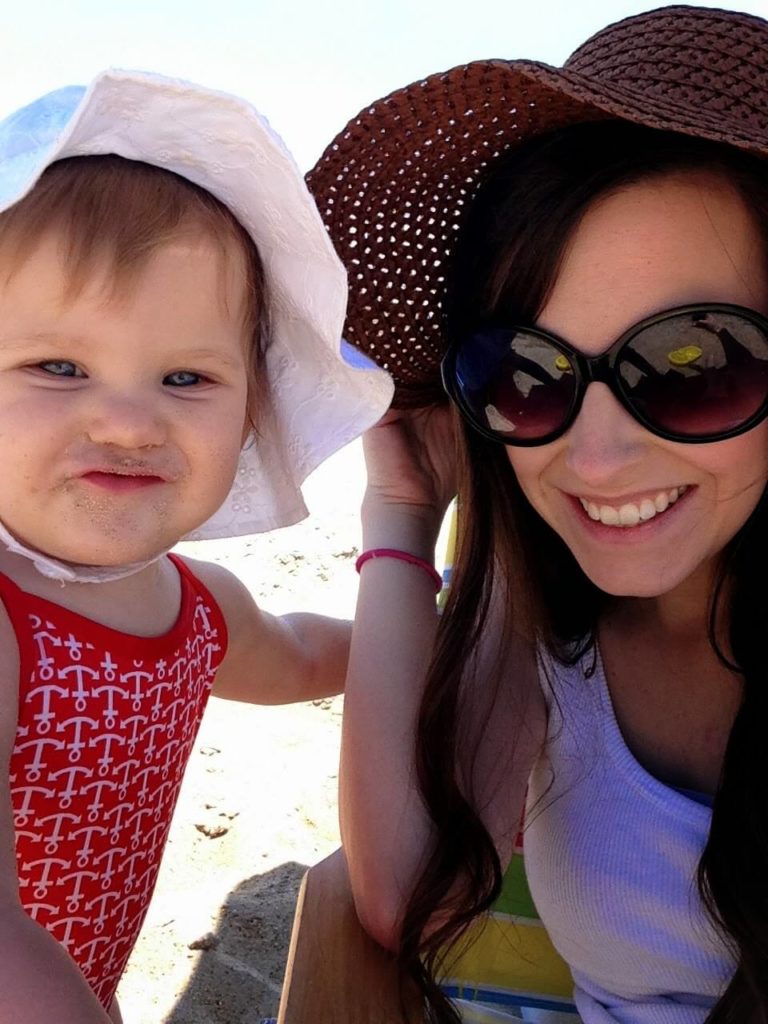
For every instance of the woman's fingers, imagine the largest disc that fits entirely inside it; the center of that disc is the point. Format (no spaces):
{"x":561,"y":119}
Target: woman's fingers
{"x":411,"y":457}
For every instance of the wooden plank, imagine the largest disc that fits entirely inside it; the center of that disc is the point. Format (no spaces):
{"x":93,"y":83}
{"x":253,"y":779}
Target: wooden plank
{"x":337,"y":974}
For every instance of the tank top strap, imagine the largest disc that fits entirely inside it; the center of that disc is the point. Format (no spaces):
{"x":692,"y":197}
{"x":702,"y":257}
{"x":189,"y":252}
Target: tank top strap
{"x":192,"y":580}
{"x":193,"y":587}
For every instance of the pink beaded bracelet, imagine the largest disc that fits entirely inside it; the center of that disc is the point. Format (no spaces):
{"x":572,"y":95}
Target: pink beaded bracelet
{"x":403,"y":556}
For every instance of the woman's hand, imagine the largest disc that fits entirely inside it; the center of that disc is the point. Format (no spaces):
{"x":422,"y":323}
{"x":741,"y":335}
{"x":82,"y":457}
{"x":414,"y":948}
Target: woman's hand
{"x":411,"y":457}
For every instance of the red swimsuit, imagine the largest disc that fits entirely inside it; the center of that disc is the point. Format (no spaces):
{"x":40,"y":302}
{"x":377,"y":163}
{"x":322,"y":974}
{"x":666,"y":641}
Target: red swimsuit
{"x":106,"y":725}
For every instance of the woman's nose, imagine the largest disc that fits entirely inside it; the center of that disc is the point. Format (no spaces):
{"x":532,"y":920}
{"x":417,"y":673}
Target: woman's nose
{"x":604,"y":440}
{"x":125,"y":420}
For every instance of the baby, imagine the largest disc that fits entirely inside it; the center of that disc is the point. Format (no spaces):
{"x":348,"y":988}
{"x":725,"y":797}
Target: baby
{"x":170,"y":314}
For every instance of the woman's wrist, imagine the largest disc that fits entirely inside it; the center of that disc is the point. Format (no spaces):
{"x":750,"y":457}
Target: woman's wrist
{"x":422,"y":564}
{"x":405,"y":528}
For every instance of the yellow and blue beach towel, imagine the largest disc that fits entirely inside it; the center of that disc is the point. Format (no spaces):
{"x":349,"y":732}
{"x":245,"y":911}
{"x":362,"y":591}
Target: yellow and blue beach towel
{"x":509,"y":967}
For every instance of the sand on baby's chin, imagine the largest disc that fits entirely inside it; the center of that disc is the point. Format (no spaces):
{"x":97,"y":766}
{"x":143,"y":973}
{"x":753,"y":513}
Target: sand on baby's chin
{"x":258,"y":802}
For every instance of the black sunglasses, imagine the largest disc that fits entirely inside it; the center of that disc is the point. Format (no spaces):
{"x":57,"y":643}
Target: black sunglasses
{"x":694,"y":374}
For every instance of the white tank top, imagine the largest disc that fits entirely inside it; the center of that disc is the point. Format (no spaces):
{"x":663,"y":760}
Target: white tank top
{"x":611,"y":856}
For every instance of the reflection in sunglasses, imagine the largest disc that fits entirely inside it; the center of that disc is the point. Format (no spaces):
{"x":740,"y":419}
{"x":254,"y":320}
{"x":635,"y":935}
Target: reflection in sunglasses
{"x":684,"y":356}
{"x":498,"y":421}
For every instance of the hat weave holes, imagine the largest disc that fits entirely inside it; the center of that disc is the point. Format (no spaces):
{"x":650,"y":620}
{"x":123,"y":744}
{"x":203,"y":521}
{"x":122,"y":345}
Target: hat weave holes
{"x":392,"y":188}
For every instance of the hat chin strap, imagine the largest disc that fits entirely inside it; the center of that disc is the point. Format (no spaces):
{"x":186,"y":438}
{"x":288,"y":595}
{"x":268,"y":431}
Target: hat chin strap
{"x":69,"y":572}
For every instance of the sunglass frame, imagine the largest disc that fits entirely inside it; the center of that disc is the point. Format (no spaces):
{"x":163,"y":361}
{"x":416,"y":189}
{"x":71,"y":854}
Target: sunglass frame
{"x":602,"y":369}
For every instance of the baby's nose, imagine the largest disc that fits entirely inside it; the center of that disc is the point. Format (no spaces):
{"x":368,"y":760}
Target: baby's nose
{"x":604,"y":440}
{"x":125,"y":420}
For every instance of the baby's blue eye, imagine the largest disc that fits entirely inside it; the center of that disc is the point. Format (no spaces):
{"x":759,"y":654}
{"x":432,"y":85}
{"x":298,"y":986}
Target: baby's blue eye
{"x":182,"y":379}
{"x":61,"y":368}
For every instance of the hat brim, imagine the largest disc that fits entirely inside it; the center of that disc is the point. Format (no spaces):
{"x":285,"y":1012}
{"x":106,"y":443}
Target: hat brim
{"x":320,"y":401}
{"x":393,"y":185}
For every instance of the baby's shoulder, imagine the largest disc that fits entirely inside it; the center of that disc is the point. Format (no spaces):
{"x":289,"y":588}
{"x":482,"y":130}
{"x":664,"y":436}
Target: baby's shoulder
{"x":249,"y":638}
{"x":214,"y":577}
{"x":228,"y":591}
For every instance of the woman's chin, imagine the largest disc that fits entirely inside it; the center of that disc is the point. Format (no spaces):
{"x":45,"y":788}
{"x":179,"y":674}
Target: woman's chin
{"x":643,"y":582}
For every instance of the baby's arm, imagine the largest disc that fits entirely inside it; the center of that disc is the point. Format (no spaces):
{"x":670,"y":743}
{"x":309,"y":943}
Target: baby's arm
{"x":39,"y":982}
{"x":274,"y":659}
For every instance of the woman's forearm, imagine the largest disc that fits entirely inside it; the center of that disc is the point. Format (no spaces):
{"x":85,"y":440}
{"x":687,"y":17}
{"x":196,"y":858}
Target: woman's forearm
{"x":384,"y":825}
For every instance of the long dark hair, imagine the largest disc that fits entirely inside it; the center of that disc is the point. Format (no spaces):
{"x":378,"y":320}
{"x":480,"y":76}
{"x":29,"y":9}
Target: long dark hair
{"x":509,"y":253}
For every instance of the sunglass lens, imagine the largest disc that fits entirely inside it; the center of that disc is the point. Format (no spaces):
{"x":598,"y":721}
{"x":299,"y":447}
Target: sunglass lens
{"x":697,"y":374}
{"x":516,"y":384}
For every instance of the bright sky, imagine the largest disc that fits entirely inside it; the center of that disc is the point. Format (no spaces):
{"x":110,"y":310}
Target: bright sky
{"x":309,"y":65}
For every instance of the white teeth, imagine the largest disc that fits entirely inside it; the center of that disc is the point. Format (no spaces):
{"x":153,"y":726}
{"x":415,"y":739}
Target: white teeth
{"x":631,"y":514}
{"x":647,"y":509}
{"x":609,"y":516}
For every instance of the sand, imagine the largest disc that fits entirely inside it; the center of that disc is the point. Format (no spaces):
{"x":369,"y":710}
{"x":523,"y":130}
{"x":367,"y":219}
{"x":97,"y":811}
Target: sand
{"x":258,"y":804}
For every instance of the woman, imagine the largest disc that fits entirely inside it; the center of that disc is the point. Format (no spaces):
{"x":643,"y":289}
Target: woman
{"x":585,"y":249}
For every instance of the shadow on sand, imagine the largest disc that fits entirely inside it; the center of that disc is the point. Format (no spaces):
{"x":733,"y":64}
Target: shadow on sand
{"x":238,"y":977}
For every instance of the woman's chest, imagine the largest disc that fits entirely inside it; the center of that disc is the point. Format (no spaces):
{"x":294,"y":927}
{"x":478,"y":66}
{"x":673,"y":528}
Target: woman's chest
{"x":674,"y":708}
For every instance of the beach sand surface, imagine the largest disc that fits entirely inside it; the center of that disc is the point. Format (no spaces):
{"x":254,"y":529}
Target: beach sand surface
{"x":258,"y":803}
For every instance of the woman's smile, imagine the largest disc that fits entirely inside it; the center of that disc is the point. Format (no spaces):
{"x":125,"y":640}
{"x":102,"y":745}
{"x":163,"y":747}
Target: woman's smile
{"x":631,"y":512}
{"x":624,"y":525}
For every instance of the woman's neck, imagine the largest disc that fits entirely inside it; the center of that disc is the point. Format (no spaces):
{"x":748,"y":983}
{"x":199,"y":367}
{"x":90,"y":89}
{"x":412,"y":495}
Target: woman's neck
{"x":683,"y":613}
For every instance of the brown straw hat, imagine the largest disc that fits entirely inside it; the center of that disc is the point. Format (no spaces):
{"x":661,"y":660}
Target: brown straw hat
{"x":392,"y":185}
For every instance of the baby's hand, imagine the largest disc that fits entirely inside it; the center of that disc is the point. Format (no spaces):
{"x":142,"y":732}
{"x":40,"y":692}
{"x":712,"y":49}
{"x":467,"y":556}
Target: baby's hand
{"x":411,"y":460}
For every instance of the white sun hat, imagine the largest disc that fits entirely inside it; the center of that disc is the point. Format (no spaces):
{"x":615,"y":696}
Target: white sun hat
{"x":324,"y":393}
